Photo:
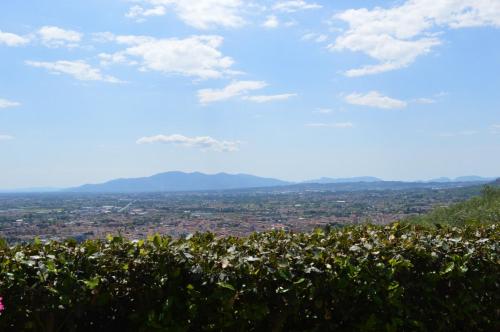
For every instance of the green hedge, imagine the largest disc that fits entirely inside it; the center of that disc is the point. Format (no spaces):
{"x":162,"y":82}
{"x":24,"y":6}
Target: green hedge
{"x":367,"y":278}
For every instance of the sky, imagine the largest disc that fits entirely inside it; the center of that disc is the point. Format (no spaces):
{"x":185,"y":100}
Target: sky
{"x":100,"y":89}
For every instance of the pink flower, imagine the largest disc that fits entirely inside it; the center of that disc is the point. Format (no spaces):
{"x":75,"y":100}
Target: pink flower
{"x":1,"y":304}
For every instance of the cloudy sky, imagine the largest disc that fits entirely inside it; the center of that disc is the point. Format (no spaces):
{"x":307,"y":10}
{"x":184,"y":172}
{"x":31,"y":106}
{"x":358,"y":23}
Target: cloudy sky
{"x":94,"y":90}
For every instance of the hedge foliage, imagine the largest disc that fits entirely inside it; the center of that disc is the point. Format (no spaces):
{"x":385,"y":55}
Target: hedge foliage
{"x":366,"y":278}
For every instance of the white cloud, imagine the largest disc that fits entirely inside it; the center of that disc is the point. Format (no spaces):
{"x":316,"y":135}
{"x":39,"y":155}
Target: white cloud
{"x":495,"y":129}
{"x":339,"y":125}
{"x":234,"y":89}
{"x":6,"y":138}
{"x":78,"y":69}
{"x":240,"y":89}
{"x":269,"y":98}
{"x":318,"y":38}
{"x":201,"y":14}
{"x":391,"y":52}
{"x":374,"y":99}
{"x":52,"y":36}
{"x":396,"y":36}
{"x":139,"y":13}
{"x":295,"y":5}
{"x":201,"y":142}
{"x":195,"y":56}
{"x":116,"y":58}
{"x":130,"y":40}
{"x":424,"y":101}
{"x":11,"y":39}
{"x":271,"y":22}
{"x":4,"y":103}
{"x":323,"y":110}
{"x":103,"y":37}
{"x":429,"y":100}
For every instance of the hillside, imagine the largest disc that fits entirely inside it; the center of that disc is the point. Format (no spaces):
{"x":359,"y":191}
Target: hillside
{"x":482,"y":209}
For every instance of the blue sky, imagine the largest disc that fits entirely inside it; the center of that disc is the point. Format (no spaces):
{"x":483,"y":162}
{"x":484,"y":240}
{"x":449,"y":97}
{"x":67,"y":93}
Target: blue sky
{"x":95,"y":90}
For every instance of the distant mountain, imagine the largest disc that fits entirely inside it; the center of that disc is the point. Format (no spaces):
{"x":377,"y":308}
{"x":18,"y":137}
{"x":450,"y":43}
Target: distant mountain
{"x":440,"y":180}
{"x":180,"y":181}
{"x":324,"y":180}
{"x":469,"y":178}
{"x":472,"y":178}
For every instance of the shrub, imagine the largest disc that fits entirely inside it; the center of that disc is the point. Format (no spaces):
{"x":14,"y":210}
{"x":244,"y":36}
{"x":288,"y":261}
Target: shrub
{"x":365,"y":278}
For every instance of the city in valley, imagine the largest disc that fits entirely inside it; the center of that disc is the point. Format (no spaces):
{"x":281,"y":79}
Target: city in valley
{"x":57,"y":216}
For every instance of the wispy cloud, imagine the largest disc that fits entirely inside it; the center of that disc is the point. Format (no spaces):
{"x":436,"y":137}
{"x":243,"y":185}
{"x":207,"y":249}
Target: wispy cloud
{"x":271,"y":22}
{"x":201,"y":14}
{"x":316,"y":37}
{"x":201,"y":142}
{"x":323,"y":110}
{"x":435,"y":98}
{"x":140,"y":13}
{"x":49,"y":36}
{"x":269,"y":98}
{"x":295,"y":5}
{"x":6,"y":138}
{"x":240,"y":89}
{"x":79,"y":70}
{"x":331,"y":125}
{"x":424,"y":101}
{"x":375,"y":99}
{"x":234,"y":89}
{"x":4,"y":103}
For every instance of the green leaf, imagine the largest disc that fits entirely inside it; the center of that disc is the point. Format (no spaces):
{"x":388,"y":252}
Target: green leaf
{"x":92,"y":283}
{"x":226,"y":285}
{"x":300,"y":281}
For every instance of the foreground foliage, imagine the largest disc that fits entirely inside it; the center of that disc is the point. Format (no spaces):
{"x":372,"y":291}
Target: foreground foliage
{"x":366,"y":278}
{"x":478,"y":210}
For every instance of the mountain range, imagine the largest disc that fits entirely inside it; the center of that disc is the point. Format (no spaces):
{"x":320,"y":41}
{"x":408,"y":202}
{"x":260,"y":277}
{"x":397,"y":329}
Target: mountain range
{"x":180,"y":182}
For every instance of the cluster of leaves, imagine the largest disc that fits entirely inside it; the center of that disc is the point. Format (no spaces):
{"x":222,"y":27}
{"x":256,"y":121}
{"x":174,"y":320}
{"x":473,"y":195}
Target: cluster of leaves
{"x":364,"y":278}
{"x":482,"y":209}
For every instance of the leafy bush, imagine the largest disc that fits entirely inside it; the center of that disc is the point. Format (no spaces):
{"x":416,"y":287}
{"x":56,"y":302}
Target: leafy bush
{"x":365,"y":278}
{"x":482,"y":209}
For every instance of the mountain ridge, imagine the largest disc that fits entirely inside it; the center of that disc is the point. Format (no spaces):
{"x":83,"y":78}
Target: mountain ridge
{"x":196,"y":181}
{"x":181,"y":181}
